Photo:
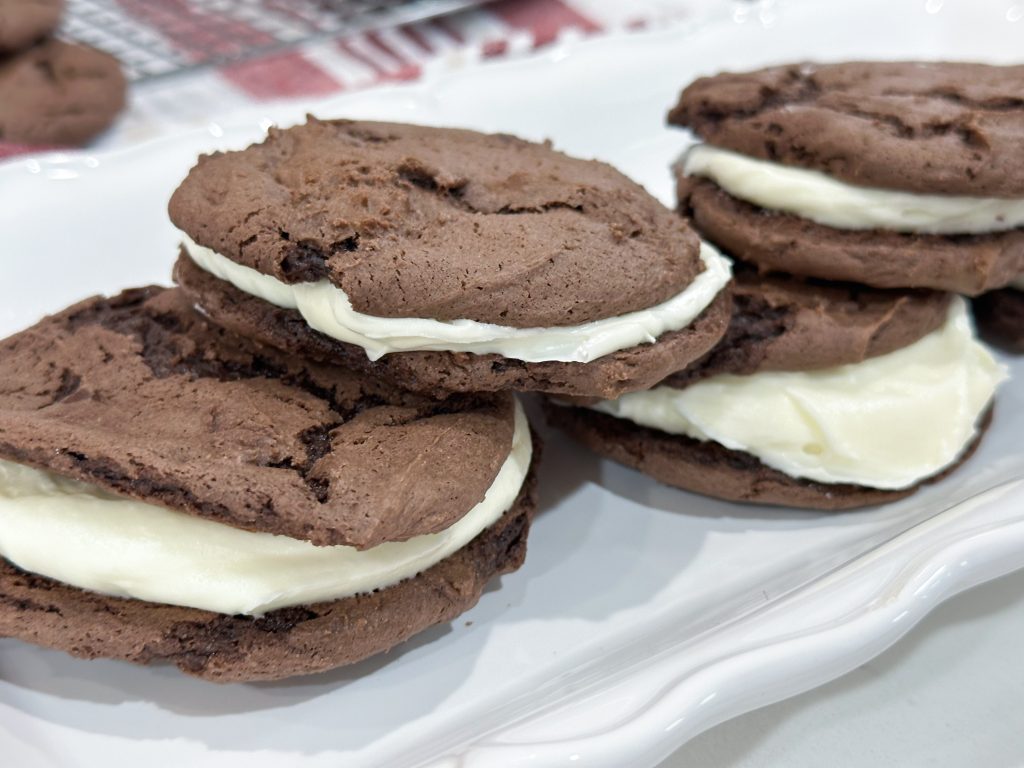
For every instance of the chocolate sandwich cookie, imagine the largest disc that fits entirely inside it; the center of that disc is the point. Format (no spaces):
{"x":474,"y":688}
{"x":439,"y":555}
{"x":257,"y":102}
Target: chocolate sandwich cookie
{"x":1000,"y":317}
{"x":448,"y":260}
{"x":24,"y":22}
{"x":59,"y":93}
{"x":895,"y":175}
{"x":170,"y":492}
{"x":820,"y":396}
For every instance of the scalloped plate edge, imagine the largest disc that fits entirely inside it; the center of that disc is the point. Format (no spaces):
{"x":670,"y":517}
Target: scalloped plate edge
{"x":792,"y":645}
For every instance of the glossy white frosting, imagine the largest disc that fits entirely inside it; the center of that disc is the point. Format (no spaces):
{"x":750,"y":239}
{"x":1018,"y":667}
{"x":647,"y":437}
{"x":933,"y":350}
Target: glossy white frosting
{"x":327,"y":309}
{"x":825,"y":200}
{"x":84,"y":536}
{"x":887,"y":422}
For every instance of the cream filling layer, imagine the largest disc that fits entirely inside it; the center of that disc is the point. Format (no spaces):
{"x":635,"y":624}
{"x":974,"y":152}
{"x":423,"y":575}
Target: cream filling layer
{"x":821,"y":198}
{"x":887,"y":422}
{"x":326,"y":308}
{"x":81,"y":535}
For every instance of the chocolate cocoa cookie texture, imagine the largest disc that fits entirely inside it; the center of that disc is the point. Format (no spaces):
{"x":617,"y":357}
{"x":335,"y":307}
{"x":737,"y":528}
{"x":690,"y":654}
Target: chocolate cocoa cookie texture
{"x":820,"y":396}
{"x":891,"y":174}
{"x":59,"y":93}
{"x":784,"y":323}
{"x":24,"y":22}
{"x":173,"y":493}
{"x":448,"y":260}
{"x":1000,"y":316}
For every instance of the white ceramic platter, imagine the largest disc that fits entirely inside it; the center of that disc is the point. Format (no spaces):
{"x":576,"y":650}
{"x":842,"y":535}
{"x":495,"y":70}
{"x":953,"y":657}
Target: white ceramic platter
{"x":643,"y":615}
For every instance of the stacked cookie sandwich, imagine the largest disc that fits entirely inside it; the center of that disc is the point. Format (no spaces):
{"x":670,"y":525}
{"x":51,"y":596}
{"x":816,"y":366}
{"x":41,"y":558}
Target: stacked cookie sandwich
{"x":308,"y":451}
{"x":172,"y":492}
{"x":448,"y":260}
{"x":860,"y":196}
{"x":52,"y":92}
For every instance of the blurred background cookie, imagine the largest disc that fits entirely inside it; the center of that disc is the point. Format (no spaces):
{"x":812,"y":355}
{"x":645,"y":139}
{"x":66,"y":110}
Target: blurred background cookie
{"x":24,"y":22}
{"x":58,"y":93}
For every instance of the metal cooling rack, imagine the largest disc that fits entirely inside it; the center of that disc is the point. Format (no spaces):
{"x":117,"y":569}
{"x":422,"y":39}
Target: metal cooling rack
{"x":158,"y":38}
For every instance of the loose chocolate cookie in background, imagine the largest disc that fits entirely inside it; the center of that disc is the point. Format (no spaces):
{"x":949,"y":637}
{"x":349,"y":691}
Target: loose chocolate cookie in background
{"x":819,"y":396}
{"x":891,"y":174}
{"x":1000,"y":318}
{"x":58,"y":93}
{"x":448,"y":260}
{"x":250,"y":515}
{"x":24,"y":22}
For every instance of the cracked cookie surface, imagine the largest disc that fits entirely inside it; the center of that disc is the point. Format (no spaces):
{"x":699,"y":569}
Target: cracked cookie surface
{"x":141,"y":395}
{"x":440,"y":223}
{"x":932,"y":128}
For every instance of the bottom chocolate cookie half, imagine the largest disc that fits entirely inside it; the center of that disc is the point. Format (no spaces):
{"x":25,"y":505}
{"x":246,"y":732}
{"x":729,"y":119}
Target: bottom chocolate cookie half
{"x":440,"y":373}
{"x":284,"y":643}
{"x":1000,"y":318}
{"x":713,"y":470}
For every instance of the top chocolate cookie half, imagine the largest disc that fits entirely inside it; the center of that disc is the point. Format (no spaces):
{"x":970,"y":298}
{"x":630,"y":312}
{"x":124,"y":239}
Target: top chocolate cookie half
{"x":23,"y":22}
{"x":143,"y":397}
{"x":418,"y":222}
{"x":938,"y":128}
{"x":784,"y":323}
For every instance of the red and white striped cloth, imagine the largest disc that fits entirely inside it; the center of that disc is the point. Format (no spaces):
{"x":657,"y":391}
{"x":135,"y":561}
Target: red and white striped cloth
{"x":500,"y":28}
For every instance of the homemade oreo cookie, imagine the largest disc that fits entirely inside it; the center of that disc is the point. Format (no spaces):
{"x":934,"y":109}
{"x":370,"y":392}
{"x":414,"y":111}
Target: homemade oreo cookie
{"x":59,"y":93}
{"x":821,"y":397}
{"x":891,"y":174}
{"x":448,"y":260}
{"x":169,"y":492}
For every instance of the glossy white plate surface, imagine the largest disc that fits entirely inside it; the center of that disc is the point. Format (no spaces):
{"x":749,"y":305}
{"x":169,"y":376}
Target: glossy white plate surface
{"x":643,"y":615}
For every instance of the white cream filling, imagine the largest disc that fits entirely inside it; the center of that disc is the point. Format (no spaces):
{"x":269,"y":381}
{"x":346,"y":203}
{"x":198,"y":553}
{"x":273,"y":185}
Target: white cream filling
{"x":818,"y":197}
{"x":327,"y":309}
{"x":84,"y":536}
{"x":887,"y":422}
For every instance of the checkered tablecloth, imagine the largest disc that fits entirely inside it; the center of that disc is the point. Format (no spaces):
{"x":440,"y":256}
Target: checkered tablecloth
{"x":189,"y":29}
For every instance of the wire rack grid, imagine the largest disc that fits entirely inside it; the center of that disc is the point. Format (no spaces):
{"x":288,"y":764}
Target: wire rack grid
{"x":159,"y":38}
